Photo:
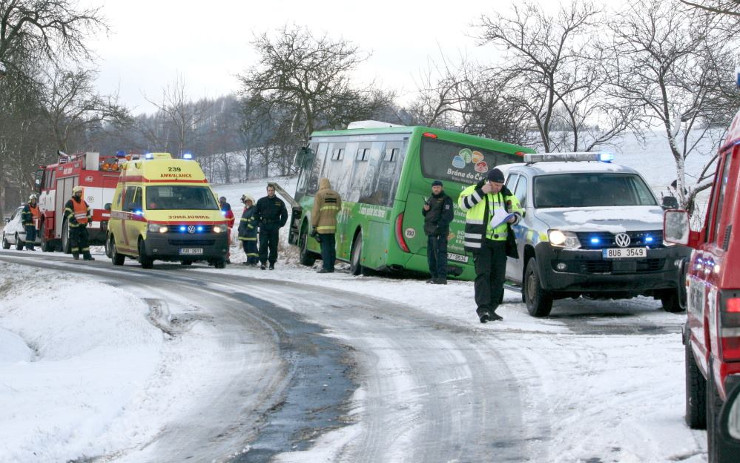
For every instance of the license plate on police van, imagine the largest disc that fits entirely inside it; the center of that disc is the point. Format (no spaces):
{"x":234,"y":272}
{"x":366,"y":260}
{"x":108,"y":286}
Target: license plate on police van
{"x":457,"y":258}
{"x":191,"y":251}
{"x":624,"y":253}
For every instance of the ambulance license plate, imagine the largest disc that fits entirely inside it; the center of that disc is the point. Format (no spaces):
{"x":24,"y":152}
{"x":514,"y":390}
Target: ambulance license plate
{"x":624,"y":253}
{"x":191,"y":251}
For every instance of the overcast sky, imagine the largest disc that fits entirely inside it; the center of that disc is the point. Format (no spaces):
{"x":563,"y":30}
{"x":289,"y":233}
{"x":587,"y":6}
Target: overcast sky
{"x":152,"y":43}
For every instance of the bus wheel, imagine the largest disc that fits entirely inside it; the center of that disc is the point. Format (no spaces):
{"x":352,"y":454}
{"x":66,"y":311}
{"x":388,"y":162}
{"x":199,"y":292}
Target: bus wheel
{"x":144,"y":260}
{"x":66,"y":246}
{"x":306,"y":257}
{"x":355,"y":262}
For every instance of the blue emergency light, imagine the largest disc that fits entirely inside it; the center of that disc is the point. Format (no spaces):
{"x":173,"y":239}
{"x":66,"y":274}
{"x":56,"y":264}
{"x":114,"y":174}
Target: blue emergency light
{"x":187,"y":155}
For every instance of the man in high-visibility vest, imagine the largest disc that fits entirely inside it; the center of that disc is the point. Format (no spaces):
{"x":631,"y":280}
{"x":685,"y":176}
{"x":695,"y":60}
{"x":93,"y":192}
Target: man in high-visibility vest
{"x":79,"y":216}
{"x":489,"y":239}
{"x":31,"y":216}
{"x":326,"y":206}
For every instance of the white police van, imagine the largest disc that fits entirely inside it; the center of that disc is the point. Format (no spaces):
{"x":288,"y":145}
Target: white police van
{"x":590,"y":228}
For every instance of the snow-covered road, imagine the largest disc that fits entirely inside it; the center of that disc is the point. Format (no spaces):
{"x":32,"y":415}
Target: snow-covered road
{"x":420,"y":378}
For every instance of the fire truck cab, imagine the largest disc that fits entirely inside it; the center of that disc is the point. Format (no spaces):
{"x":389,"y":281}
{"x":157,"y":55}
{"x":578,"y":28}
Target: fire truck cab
{"x":711,"y":334}
{"x":97,"y":175}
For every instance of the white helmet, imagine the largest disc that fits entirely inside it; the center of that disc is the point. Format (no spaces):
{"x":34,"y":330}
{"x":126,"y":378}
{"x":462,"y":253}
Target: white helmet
{"x":33,"y":197}
{"x":247,"y":197}
{"x":76,"y":189}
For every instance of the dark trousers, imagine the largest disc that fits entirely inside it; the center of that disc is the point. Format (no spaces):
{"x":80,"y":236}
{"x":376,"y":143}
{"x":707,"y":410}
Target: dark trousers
{"x":490,"y":274}
{"x":78,"y":240}
{"x":328,"y":251}
{"x":30,"y":237}
{"x":437,"y":255}
{"x":269,"y":245}
{"x":250,"y":249}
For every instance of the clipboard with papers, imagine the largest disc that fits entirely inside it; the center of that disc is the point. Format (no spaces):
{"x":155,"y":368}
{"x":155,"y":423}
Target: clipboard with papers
{"x":500,"y":216}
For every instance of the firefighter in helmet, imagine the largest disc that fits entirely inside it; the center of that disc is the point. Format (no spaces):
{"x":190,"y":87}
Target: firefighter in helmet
{"x":31,"y":217}
{"x":79,"y":216}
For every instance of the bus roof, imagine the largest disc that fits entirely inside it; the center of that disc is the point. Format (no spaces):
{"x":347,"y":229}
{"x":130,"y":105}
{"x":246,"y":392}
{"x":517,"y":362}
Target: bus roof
{"x":441,"y":134}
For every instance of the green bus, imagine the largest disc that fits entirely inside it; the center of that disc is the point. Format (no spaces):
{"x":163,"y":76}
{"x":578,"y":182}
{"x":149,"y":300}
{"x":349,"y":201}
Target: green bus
{"x":384,"y":174}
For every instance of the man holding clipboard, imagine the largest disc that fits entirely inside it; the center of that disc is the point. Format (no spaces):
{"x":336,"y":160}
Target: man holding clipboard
{"x":491,"y":209}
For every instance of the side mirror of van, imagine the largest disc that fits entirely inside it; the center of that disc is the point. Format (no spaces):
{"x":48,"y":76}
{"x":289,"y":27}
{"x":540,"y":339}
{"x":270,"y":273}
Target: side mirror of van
{"x":669,"y":202}
{"x":107,"y":207}
{"x":729,"y":426}
{"x":676,"y":227}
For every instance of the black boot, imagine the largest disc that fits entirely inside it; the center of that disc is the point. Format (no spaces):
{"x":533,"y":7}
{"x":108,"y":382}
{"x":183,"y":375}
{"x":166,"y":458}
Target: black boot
{"x":76,"y":256}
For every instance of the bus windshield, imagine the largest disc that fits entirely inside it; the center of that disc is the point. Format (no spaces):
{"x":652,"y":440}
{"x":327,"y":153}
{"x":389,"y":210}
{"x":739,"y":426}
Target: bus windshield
{"x":592,"y":189}
{"x":444,"y":160}
{"x":180,"y":197}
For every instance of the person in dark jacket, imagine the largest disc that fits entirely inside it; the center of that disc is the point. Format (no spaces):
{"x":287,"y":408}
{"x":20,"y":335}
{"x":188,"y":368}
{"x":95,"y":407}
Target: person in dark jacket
{"x":326,"y":206}
{"x":248,"y":231}
{"x":229,"y":215}
{"x":438,"y":214}
{"x":79,"y":216}
{"x":271,"y":216}
{"x":30,"y":217}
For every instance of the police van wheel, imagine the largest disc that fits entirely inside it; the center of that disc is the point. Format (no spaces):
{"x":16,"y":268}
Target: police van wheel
{"x":112,"y":252}
{"x":539,"y":301}
{"x":144,"y":260}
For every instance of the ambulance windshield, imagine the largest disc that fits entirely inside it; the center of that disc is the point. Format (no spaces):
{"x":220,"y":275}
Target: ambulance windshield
{"x":180,"y":197}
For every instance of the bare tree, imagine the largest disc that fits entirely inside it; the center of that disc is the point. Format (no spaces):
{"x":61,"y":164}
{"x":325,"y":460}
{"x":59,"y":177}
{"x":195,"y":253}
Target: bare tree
{"x":725,"y":7}
{"x":180,"y":117}
{"x":72,"y":104}
{"x":306,"y":77}
{"x":53,"y":28}
{"x":674,"y":64}
{"x":552,"y":68}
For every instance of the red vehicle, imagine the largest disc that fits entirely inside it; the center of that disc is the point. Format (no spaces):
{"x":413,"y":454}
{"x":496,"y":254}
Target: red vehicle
{"x":712,"y":331}
{"x":98,"y":175}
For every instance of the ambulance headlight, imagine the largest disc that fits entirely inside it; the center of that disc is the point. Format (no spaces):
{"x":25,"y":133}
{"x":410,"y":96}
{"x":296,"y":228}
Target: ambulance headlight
{"x":563,"y":239}
{"x":219,"y":229}
{"x":156,"y":228}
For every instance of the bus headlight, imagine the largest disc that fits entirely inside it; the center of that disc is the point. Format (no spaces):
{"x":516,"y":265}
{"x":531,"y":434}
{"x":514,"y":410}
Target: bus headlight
{"x":563,"y":239}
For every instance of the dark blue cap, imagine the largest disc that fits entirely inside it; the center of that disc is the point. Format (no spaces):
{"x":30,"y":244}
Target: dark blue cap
{"x":437,"y":183}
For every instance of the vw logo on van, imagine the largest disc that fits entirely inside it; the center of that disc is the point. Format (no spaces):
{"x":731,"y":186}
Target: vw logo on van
{"x":622,"y":240}
{"x":191,"y":230}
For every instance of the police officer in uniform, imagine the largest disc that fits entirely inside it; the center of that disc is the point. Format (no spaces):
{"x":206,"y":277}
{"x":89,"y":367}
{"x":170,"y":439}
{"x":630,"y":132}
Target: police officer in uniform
{"x":438,"y":214}
{"x":271,"y":216}
{"x":489,"y":242}
{"x":79,"y":216}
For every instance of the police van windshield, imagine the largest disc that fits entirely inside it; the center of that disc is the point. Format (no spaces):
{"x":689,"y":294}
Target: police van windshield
{"x":591,"y":189}
{"x":180,"y":197}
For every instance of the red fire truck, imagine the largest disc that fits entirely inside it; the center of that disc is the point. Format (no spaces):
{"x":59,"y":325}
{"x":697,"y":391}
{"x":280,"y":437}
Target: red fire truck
{"x":97,"y":174}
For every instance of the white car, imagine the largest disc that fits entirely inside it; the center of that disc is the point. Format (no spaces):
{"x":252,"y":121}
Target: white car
{"x":14,"y":233}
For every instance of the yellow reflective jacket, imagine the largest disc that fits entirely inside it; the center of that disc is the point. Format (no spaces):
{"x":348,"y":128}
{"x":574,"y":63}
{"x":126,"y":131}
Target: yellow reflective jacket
{"x":478,"y":213}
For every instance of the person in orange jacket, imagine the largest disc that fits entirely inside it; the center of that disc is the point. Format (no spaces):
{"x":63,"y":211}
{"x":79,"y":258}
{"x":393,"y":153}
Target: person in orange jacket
{"x":30,"y":216}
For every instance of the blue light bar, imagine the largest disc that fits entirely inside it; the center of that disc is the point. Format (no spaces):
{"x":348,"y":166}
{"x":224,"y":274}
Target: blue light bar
{"x":187,"y":155}
{"x":149,"y":156}
{"x":120,"y":154}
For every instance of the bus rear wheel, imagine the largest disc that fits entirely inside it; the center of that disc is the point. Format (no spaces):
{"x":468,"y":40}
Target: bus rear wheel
{"x":307,"y":257}
{"x":355,"y":261}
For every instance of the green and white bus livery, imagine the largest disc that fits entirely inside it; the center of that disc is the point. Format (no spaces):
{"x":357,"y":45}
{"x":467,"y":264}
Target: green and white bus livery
{"x":384,"y":175}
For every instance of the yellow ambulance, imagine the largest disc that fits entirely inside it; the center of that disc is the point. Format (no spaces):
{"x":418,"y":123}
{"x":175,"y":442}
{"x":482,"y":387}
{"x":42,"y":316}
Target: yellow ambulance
{"x":164,"y":209}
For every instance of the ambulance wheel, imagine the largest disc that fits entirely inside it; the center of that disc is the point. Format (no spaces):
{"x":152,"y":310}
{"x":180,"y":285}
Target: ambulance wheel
{"x":66,"y":245}
{"x":144,"y":260}
{"x":539,"y":301}
{"x":18,"y":243}
{"x":112,"y":252}
{"x":186,"y":262}
{"x":6,"y":245}
{"x":670,"y":299}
